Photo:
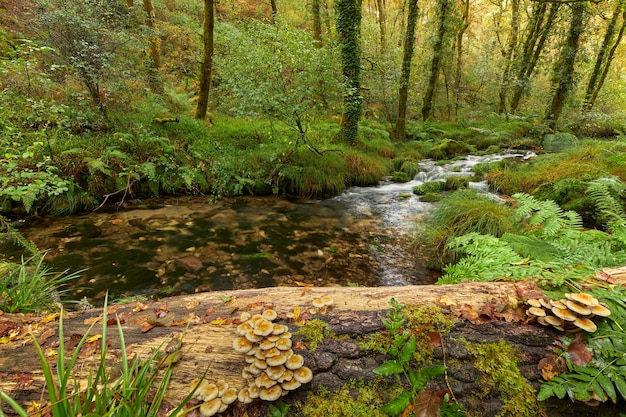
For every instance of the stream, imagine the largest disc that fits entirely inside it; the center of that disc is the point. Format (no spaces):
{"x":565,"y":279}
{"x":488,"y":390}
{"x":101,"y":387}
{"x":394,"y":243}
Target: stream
{"x":184,"y":245}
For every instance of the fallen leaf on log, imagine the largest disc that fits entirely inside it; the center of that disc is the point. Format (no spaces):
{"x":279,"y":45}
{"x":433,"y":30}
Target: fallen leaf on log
{"x":192,"y":305}
{"x":45,"y":335}
{"x":551,"y":365}
{"x":427,"y":403}
{"x":578,"y":351}
{"x":49,"y":318}
{"x":22,"y":380}
{"x":140,"y":307}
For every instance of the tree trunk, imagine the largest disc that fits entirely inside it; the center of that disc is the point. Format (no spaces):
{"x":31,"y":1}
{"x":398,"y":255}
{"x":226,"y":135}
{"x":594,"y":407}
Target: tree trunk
{"x":435,"y":63}
{"x":154,"y":78}
{"x":382,"y":22}
{"x":508,"y":56}
{"x":409,"y":46}
{"x":274,"y":11}
{"x":458,"y":51}
{"x":349,"y":33}
{"x":533,"y":46}
{"x":564,"y":68}
{"x":317,"y":21}
{"x":602,"y":57}
{"x":207,"y":59}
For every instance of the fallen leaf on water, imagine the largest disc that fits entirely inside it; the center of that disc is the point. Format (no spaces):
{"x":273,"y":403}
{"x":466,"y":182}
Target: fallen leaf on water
{"x":4,"y":340}
{"x":50,"y":353}
{"x":140,"y":307}
{"x":193,"y":304}
{"x":88,"y":349}
{"x":578,"y":351}
{"x":49,"y":318}
{"x":161,"y":320}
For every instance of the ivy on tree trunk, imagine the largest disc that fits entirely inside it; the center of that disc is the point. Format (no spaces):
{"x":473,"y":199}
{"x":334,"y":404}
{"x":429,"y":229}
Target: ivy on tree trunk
{"x":409,"y":44}
{"x":348,"y":29}
{"x":207,"y":59}
{"x":435,"y":63}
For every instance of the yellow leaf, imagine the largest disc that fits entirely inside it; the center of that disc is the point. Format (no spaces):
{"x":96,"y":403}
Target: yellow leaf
{"x":51,"y":352}
{"x":296,"y":313}
{"x":219,"y":322}
{"x":4,"y":340}
{"x":33,"y":407}
{"x":140,"y":307}
{"x":50,"y":317}
{"x":93,"y":338}
{"x":192,"y":304}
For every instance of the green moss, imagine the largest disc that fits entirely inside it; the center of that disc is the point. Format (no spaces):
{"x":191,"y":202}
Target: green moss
{"x":351,"y":400}
{"x":313,"y":333}
{"x":497,"y":363}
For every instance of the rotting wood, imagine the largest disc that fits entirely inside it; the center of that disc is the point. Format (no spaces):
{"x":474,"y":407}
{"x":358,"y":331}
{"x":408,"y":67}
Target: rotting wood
{"x":208,"y":340}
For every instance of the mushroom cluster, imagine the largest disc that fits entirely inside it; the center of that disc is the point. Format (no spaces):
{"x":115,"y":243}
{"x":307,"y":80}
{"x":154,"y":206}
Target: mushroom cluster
{"x":323,"y":303}
{"x":272,"y":369}
{"x":216,"y":396}
{"x":572,"y":313}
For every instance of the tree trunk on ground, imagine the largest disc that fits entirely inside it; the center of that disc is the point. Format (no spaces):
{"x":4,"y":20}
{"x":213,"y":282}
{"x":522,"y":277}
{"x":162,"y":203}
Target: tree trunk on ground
{"x":212,"y":319}
{"x":409,"y":46}
{"x":508,"y":56}
{"x":564,"y":68}
{"x":207,"y":59}
{"x":602,"y":59}
{"x":349,"y":33}
{"x":533,"y":46}
{"x":435,"y":63}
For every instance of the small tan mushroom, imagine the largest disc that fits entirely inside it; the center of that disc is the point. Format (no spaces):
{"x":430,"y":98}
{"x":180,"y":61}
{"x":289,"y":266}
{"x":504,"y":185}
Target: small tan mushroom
{"x":269,"y":315}
{"x":585,"y":324}
{"x":223,"y":408}
{"x":533,"y":302}
{"x":558,"y":304}
{"x":253,"y":391}
{"x":270,"y":353}
{"x":318,"y":303}
{"x":578,"y":308}
{"x":294,"y":362}
{"x":583,"y":298}
{"x":210,"y":408}
{"x":275,"y":372}
{"x":245,"y":316}
{"x":230,"y":395}
{"x":276,"y":360}
{"x":242,"y":345}
{"x":291,"y":384}
{"x":243,"y":328}
{"x":283,"y":343}
{"x":265,"y":344}
{"x":222,"y":386}
{"x":536,"y":311}
{"x":287,"y":376}
{"x":260,"y":354}
{"x":279,"y":329}
{"x":600,"y":310}
{"x":244,"y":396}
{"x":253,"y":337}
{"x":260,"y":363}
{"x":264,"y":381}
{"x":263,"y":327}
{"x":564,"y":314}
{"x":271,"y":394}
{"x":542,"y":321}
{"x":303,"y":375}
{"x":209,"y":392}
{"x":545,"y":303}
{"x":253,"y":370}
{"x":554,"y":321}
{"x":327,"y":300}
{"x":272,"y":338}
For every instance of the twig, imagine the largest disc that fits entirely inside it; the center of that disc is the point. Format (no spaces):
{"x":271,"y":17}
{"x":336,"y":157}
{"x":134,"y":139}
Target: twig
{"x":124,"y":190}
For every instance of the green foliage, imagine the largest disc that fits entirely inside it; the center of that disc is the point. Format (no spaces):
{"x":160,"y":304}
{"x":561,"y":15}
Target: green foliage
{"x":559,"y":142}
{"x":135,"y":392}
{"x":313,"y":333}
{"x":403,"y":348}
{"x":604,"y":377}
{"x":497,"y":363}
{"x":344,"y":403}
{"x":278,"y":409}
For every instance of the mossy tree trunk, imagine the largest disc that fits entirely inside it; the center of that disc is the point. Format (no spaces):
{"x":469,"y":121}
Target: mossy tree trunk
{"x":274,"y":11}
{"x":435,"y":63}
{"x":348,"y":21}
{"x":154,"y":63}
{"x":564,"y":68}
{"x":507,"y":54}
{"x":458,"y":52}
{"x":317,"y":21}
{"x":409,"y":44}
{"x":207,"y":59}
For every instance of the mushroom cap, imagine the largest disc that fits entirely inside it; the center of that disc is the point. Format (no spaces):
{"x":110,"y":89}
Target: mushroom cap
{"x":260,"y":363}
{"x":279,"y":329}
{"x":564,"y":314}
{"x":294,"y":362}
{"x":223,"y":408}
{"x":275,"y":372}
{"x":265,"y":344}
{"x":245,"y":316}
{"x":270,"y":353}
{"x":533,"y":302}
{"x":327,"y":300}
{"x":243,"y":328}
{"x":276,"y":360}
{"x":287,"y":376}
{"x":253,"y":391}
{"x":209,"y":392}
{"x":545,"y":303}
{"x":303,"y":375}
{"x":600,"y":310}
{"x":554,"y":321}
{"x":253,"y":370}
{"x":272,"y":338}
{"x":270,"y":394}
{"x":578,"y":308}
{"x":542,"y":321}
{"x":283,"y":343}
{"x":253,"y":320}
{"x":222,"y":386}
{"x":253,"y":337}
{"x":291,"y":384}
{"x":536,"y":311}
{"x":198,"y":385}
{"x":585,"y":324}
{"x":269,"y":315}
{"x":558,"y":304}
{"x":244,"y":396}
{"x":583,"y":298}
{"x":230,"y":395}
{"x":260,"y":354}
{"x":242,"y":345}
{"x":318,"y":303}
{"x":264,"y":381}
{"x":210,"y":408}
{"x":263,"y":327}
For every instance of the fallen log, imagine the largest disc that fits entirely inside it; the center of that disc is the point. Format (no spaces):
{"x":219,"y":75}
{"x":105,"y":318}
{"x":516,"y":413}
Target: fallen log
{"x":209,"y":320}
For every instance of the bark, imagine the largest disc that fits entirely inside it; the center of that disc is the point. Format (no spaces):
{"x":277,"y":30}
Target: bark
{"x":274,"y":11}
{"x":533,"y":46}
{"x":435,"y":63}
{"x":409,"y":46}
{"x":357,"y":311}
{"x":382,"y":22}
{"x":602,"y":57}
{"x":565,"y":65}
{"x":508,"y":56}
{"x":317,"y":21}
{"x":207,"y":59}
{"x":155,"y":44}
{"x":349,"y":32}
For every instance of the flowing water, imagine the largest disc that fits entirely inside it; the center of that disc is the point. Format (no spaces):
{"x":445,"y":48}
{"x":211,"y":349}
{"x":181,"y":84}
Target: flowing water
{"x":188,"y":244}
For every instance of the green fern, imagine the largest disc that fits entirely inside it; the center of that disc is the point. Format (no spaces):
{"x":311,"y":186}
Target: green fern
{"x":546,"y":214}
